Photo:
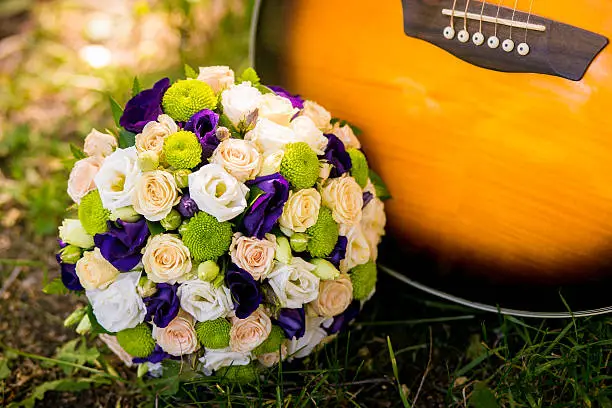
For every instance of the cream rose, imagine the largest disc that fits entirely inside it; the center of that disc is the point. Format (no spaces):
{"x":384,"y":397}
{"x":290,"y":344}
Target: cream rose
{"x":373,"y":225}
{"x":155,"y":194}
{"x":94,"y":271}
{"x":99,"y":144}
{"x":217,"y":77}
{"x":306,"y":131}
{"x":319,"y":115}
{"x":346,"y":134}
{"x":217,"y":192}
{"x":179,"y":337}
{"x":240,"y":101}
{"x":81,"y":180}
{"x":301,"y":210}
{"x":271,"y":359}
{"x":117,"y":177}
{"x":240,"y":158}
{"x":277,"y":109}
{"x":214,"y":359}
{"x":246,"y":334}
{"x":204,"y":301}
{"x":345,"y":198}
{"x":271,"y":163}
{"x":154,"y":133}
{"x":73,"y":233}
{"x":357,"y":248}
{"x":270,"y":137}
{"x":334,"y":296}
{"x":294,"y":284}
{"x":166,"y":259}
{"x":256,"y":256}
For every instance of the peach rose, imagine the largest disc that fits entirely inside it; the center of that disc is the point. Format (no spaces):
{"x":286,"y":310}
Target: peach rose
{"x":334,"y":296}
{"x":179,"y":337}
{"x":346,"y":134}
{"x":99,"y":144}
{"x":373,"y":225}
{"x":357,"y":248}
{"x":81,"y":180}
{"x":345,"y":198}
{"x":246,"y":334}
{"x":240,"y":158}
{"x":319,"y":115}
{"x":154,"y":133}
{"x":277,"y":109}
{"x":217,"y":77}
{"x":166,"y":259}
{"x":156,"y":193}
{"x":256,"y":256}
{"x":301,"y":210}
{"x":94,"y":271}
{"x":270,"y":359}
{"x":271,"y":163}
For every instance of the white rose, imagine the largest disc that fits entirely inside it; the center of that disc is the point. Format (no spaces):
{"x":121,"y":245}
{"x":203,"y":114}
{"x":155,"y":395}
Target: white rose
{"x":270,"y":137}
{"x":99,"y":144}
{"x":204,"y":301}
{"x":313,"y":335}
{"x":373,"y":225}
{"x":357,"y":247}
{"x":270,"y":359}
{"x":239,"y":101}
{"x":81,"y":180}
{"x":271,"y":163}
{"x":178,"y":337}
{"x":114,"y":346}
{"x":246,"y":334}
{"x":294,"y":284}
{"x":117,"y":177}
{"x":166,"y":259}
{"x":306,"y":131}
{"x":218,"y":77}
{"x":155,"y":194}
{"x":319,"y":115}
{"x":277,"y":109}
{"x":256,"y":256}
{"x":214,"y":359}
{"x":301,"y":210}
{"x":345,"y":198}
{"x":153,"y":134}
{"x":119,"y":306}
{"x":217,"y":192}
{"x":73,"y":233}
{"x":94,"y":271}
{"x":240,"y":158}
{"x":334,"y":296}
{"x":347,"y":136}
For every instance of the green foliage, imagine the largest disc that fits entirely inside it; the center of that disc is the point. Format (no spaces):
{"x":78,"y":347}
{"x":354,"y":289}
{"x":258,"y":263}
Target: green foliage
{"x":77,"y":153}
{"x":55,"y":287}
{"x":96,"y":327}
{"x":65,"y":384}
{"x":483,"y":397}
{"x":249,"y":75}
{"x":126,"y":139}
{"x":5,"y":371}
{"x":155,"y":228}
{"x":359,"y":170}
{"x":190,"y":72}
{"x":116,"y":110}
{"x":81,"y":355}
{"x":382,"y":192}
{"x":136,"y":88}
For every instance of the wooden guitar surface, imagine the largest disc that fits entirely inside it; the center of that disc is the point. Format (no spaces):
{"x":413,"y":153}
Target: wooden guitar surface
{"x":507,"y":174}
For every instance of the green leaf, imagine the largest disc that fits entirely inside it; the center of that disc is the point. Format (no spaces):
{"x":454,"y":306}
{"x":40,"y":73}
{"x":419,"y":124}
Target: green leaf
{"x":250,"y":75}
{"x":116,"y":109}
{"x":67,"y":384}
{"x":136,"y":88}
{"x":264,"y":89}
{"x":190,"y":72}
{"x":81,"y":355}
{"x":126,"y":139}
{"x":96,"y":327}
{"x":482,"y":397}
{"x":5,"y":371}
{"x":77,"y":153}
{"x":155,"y":228}
{"x":55,"y":287}
{"x":382,"y":192}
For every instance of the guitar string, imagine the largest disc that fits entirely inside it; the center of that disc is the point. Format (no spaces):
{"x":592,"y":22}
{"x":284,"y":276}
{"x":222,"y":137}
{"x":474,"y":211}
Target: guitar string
{"x":484,"y":2}
{"x":497,"y":16}
{"x":452,"y":17}
{"x":528,"y":19}
{"x":467,"y":5}
{"x":513,"y":14}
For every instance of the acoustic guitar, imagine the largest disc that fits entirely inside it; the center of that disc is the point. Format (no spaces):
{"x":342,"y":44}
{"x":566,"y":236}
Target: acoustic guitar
{"x":488,"y":120}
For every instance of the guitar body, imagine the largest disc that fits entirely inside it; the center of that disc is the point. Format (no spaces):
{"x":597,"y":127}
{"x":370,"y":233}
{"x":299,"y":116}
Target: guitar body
{"x":505,"y":176}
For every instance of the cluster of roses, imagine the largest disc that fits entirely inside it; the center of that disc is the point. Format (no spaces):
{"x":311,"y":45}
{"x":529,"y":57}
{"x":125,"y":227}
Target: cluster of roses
{"x":229,"y":221}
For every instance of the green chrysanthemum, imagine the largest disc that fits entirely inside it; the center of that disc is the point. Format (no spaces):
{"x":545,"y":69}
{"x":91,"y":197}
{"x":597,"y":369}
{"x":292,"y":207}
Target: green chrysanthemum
{"x":300,"y":165}
{"x":187,"y":97}
{"x":359,"y":170}
{"x":323,"y":235}
{"x":182,"y":150}
{"x":238,"y":374}
{"x":92,"y":214}
{"x":214,"y":334}
{"x":138,"y":341}
{"x":206,"y":238}
{"x":363,"y":278}
{"x":272,"y":343}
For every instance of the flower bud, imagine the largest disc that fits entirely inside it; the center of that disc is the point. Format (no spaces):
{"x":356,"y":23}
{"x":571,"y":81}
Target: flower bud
{"x":325,"y":270}
{"x":142,"y":369}
{"x":182,"y":178}
{"x":71,"y":254}
{"x":299,"y":242}
{"x":183,"y":227}
{"x":146,"y":287}
{"x":172,"y":221}
{"x":127,"y":214}
{"x":223,"y":133}
{"x":148,"y":160}
{"x":208,"y":271}
{"x":84,"y":325}
{"x":283,"y":250}
{"x":75,"y":317}
{"x":219,"y":281}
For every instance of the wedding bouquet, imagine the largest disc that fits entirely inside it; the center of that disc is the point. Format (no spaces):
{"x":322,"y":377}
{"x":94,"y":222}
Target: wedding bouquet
{"x":226,"y":223}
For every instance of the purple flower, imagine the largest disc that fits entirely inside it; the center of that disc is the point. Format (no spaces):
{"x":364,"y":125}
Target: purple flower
{"x":367,"y":197}
{"x":342,"y":320}
{"x":336,"y":155}
{"x":264,"y":212}
{"x":163,"y":306}
{"x":122,"y":244}
{"x":245,"y":291}
{"x":204,"y":125}
{"x":296,"y":100}
{"x":144,"y":107}
{"x":68,"y":271}
{"x":157,"y":356}
{"x":293,"y":322}
{"x":187,"y":207}
{"x":339,"y":251}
